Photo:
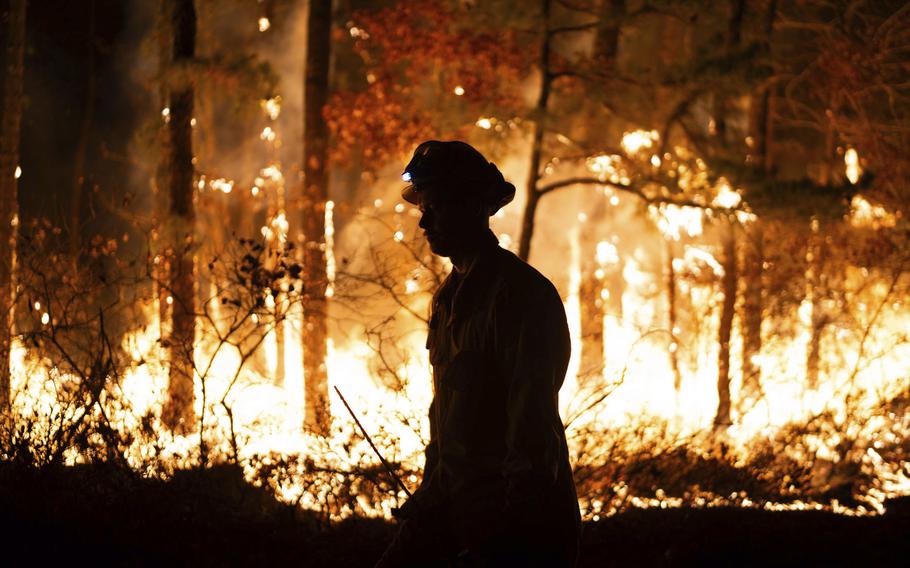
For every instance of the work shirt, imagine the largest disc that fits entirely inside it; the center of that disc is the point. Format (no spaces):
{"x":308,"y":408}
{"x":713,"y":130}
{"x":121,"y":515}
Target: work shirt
{"x":497,"y":465}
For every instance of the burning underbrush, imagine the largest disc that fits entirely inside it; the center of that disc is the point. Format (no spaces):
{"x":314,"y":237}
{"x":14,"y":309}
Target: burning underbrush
{"x":90,"y":385}
{"x":781,"y":472}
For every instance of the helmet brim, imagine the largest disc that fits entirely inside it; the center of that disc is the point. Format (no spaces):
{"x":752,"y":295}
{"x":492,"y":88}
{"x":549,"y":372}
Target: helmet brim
{"x":504,"y":194}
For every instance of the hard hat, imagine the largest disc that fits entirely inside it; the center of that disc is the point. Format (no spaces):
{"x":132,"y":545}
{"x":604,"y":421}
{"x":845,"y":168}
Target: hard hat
{"x":456,"y":166}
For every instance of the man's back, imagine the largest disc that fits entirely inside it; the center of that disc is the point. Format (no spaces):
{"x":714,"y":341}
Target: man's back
{"x":498,"y":459}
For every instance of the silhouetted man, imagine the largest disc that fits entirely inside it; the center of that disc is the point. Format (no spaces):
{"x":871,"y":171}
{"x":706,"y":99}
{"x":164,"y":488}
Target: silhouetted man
{"x":497,"y":488}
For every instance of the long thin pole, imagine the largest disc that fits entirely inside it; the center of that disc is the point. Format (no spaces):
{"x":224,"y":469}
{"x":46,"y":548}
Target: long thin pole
{"x":375,"y":449}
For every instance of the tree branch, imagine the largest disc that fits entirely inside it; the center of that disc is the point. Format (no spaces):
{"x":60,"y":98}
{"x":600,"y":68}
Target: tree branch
{"x":568,"y":29}
{"x":543,"y":190}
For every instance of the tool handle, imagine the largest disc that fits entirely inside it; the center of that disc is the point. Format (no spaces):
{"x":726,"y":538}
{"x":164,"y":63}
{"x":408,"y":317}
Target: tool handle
{"x":375,"y":449}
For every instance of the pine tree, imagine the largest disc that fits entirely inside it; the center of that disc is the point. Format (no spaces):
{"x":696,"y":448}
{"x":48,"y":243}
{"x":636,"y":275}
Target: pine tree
{"x":10,"y":122}
{"x":181,"y":220}
{"x":313,"y":204}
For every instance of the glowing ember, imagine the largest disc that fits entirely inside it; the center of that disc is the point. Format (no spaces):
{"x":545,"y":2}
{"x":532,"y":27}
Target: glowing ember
{"x":222,"y":185}
{"x":272,"y":107}
{"x":272,"y":173}
{"x":726,"y":196}
{"x":603,"y":164}
{"x":607,"y":253}
{"x":851,"y":163}
{"x":865,"y":214}
{"x":636,"y":140}
{"x":358,"y":33}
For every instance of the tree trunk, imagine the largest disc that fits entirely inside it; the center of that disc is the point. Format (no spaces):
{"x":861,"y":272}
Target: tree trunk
{"x":591,"y":307}
{"x":820,"y":276}
{"x":527,"y":220}
{"x":753,"y":288}
{"x":179,"y":409}
{"x":671,"y":312}
{"x":9,"y":194}
{"x":761,"y":131}
{"x":815,"y":290}
{"x":592,"y":303}
{"x":315,"y":195}
{"x":729,"y":283}
{"x":85,"y":131}
{"x":161,"y":260}
{"x":609,"y":26}
{"x":616,"y":287}
{"x":734,"y":35}
{"x":723,"y":419}
{"x":276,"y":246}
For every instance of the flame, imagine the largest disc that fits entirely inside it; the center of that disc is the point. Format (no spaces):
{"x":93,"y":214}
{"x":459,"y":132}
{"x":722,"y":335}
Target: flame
{"x":268,"y":415}
{"x":330,"y":248}
{"x":606,"y":253}
{"x":247,"y":402}
{"x":674,"y":220}
{"x":726,"y":196}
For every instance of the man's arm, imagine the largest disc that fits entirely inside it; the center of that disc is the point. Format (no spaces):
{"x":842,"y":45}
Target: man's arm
{"x":535,"y":346}
{"x":427,"y":496}
{"x":420,"y":537}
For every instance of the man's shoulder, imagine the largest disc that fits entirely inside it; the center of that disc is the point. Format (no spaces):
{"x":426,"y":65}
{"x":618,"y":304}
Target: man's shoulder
{"x":522,"y":282}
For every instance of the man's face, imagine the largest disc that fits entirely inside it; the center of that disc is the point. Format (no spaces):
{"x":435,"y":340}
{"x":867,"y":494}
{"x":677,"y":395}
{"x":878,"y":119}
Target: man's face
{"x":450,"y":225}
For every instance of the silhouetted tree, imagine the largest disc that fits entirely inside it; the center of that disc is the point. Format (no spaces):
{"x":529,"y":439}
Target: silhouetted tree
{"x":14,"y":69}
{"x":313,"y":206}
{"x":181,"y":219}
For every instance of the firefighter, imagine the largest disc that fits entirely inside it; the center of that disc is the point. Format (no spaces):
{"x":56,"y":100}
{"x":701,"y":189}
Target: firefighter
{"x":497,"y":488}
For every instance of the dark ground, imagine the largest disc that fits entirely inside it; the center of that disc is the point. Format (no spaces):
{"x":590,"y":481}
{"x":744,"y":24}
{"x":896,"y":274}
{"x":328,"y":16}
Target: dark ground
{"x":100,"y":516}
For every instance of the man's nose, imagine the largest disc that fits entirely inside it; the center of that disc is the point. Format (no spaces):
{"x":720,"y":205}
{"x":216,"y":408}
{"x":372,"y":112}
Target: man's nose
{"x":424,"y":220}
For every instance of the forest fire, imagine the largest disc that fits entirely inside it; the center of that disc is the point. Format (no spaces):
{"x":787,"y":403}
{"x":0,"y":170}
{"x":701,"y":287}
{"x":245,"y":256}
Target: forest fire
{"x":720,"y":205}
{"x":638,"y":374}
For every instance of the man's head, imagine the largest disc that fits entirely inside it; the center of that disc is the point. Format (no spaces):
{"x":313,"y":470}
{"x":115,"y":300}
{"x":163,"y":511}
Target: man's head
{"x":457,"y":190}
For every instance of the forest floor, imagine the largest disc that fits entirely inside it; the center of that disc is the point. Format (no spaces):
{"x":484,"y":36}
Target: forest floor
{"x":102,"y":516}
